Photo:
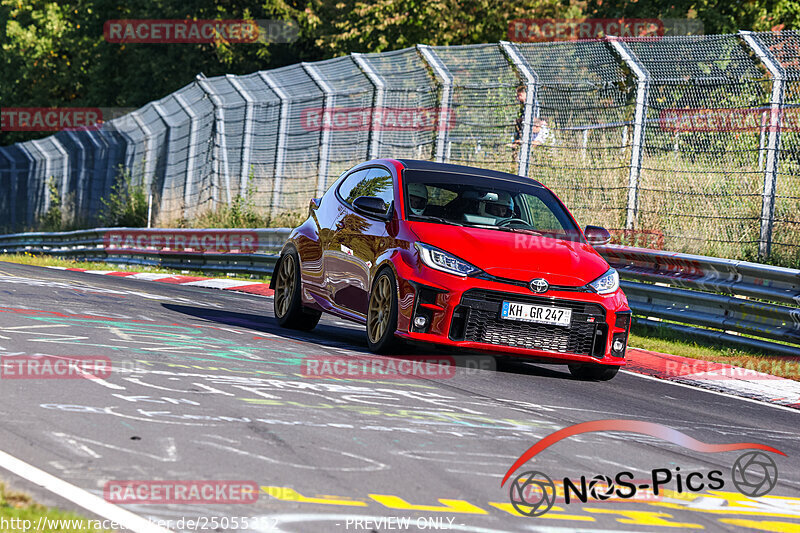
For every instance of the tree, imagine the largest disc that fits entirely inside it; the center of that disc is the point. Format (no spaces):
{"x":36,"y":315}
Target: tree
{"x":375,"y":26}
{"x":55,"y":54}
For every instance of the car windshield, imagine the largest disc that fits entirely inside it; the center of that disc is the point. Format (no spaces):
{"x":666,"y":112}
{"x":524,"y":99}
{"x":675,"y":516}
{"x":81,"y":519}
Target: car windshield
{"x":497,"y":204}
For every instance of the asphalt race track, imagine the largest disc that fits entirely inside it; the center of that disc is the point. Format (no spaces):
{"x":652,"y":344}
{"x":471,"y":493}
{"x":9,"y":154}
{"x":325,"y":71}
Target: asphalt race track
{"x":206,"y":386}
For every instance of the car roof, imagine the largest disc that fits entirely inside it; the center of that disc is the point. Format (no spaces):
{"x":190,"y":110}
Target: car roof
{"x":413,"y":164}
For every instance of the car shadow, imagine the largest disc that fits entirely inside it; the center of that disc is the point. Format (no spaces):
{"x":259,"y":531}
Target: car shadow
{"x":333,"y":335}
{"x":329,"y":335}
{"x":514,"y":365}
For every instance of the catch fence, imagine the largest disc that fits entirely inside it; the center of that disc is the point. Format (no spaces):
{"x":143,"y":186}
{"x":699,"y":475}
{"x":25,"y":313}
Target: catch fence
{"x":693,"y":138}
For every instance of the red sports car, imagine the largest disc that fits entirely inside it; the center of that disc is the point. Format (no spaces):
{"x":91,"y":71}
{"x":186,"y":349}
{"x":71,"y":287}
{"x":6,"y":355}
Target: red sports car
{"x":456,"y":256}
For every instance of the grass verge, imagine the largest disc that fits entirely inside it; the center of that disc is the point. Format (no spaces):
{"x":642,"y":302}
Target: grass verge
{"x":16,"y":508}
{"x":666,"y":341}
{"x":46,"y":260}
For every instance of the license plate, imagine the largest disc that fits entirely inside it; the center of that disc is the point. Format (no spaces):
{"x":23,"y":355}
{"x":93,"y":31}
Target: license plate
{"x":555,"y":316}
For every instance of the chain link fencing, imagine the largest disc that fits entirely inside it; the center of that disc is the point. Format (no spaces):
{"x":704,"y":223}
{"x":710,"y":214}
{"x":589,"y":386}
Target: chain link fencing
{"x":692,"y":142}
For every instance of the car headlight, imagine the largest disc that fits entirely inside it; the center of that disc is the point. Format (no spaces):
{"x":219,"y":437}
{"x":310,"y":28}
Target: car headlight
{"x":607,"y":283}
{"x":446,"y":262}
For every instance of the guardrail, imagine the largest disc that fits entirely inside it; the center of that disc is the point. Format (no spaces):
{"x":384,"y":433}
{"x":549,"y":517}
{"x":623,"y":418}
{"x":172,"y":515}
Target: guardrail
{"x":744,"y":303}
{"x":748,"y":304}
{"x":243,"y":251}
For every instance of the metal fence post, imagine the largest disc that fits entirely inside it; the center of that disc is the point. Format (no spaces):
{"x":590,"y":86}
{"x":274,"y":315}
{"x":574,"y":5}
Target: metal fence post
{"x":247,"y":141}
{"x":283,"y":126}
{"x":48,"y":170}
{"x":377,"y":103}
{"x":446,"y":81}
{"x":531,"y":88}
{"x":221,"y":159}
{"x":773,"y":140}
{"x":80,"y":182}
{"x":64,"y":168}
{"x":162,"y":114}
{"x":640,"y":118}
{"x":190,"y":158}
{"x":14,"y":177}
{"x":149,"y":151}
{"x":325,"y":140}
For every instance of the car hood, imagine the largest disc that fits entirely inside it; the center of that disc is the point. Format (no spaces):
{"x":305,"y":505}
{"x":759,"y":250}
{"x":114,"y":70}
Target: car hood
{"x":518,"y":256}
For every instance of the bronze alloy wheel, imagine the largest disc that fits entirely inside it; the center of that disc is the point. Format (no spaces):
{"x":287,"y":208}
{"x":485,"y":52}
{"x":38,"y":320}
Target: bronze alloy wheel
{"x":285,"y":286}
{"x":287,"y":302}
{"x":380,"y":309}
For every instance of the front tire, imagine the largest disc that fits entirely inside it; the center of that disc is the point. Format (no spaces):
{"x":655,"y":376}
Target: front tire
{"x":287,"y":305}
{"x":382,"y":313}
{"x":593,"y":372}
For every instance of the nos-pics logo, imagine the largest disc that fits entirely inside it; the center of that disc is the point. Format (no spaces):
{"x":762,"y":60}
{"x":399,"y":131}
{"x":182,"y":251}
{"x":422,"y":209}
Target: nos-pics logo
{"x":533,"y":493}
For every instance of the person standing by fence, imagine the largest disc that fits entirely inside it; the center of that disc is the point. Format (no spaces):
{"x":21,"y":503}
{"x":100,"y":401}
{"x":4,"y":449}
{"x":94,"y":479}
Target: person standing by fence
{"x":539,"y":130}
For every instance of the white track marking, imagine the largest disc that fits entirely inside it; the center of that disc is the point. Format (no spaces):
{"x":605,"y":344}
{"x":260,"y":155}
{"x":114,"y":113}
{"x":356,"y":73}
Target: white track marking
{"x":170,"y":454}
{"x":150,"y":276}
{"x":46,"y":326}
{"x":376,"y":465}
{"x":718,"y":393}
{"x":212,"y":283}
{"x":78,"y":496}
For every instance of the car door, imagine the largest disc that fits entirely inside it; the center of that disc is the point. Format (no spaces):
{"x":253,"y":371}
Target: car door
{"x":358,"y":240}
{"x":324,"y":212}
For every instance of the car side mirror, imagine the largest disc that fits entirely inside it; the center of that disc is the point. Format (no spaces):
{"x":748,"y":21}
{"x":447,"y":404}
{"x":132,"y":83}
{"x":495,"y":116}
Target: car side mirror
{"x":372,"y":206}
{"x":596,"y":235}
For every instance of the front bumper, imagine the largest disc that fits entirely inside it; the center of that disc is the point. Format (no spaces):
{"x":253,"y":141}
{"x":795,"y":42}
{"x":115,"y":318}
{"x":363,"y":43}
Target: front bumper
{"x":464,"y":313}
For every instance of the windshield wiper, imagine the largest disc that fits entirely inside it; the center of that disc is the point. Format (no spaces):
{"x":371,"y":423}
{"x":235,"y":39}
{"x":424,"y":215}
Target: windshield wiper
{"x":505,"y":228}
{"x":524,"y":230}
{"x":439,"y":220}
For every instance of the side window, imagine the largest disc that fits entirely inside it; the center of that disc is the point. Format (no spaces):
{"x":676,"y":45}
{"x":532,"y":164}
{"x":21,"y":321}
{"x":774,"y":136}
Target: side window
{"x":351,"y":183}
{"x":379,"y":183}
{"x":541,"y":216}
{"x":368,"y":182}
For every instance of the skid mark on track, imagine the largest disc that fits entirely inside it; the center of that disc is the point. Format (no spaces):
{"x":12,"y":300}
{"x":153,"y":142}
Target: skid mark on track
{"x":88,"y":447}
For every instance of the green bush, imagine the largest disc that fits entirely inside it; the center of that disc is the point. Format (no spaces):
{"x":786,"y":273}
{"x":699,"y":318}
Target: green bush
{"x":126,"y":205}
{"x":53,"y":219}
{"x":243,"y":212}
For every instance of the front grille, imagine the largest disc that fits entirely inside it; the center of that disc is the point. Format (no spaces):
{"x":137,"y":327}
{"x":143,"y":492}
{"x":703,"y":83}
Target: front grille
{"x":518,"y":283}
{"x":477,"y":319}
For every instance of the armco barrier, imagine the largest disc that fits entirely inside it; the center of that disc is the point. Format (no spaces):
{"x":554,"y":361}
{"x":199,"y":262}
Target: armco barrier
{"x":245,"y":251}
{"x":748,"y":304}
{"x":745,"y":303}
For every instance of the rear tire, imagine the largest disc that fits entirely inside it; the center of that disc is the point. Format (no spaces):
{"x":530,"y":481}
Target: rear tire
{"x":286,"y":303}
{"x":593,"y":372}
{"x":382,"y":313}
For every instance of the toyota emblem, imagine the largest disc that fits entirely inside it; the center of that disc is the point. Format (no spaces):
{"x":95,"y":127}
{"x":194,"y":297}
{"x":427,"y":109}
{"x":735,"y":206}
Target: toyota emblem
{"x":539,"y":285}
